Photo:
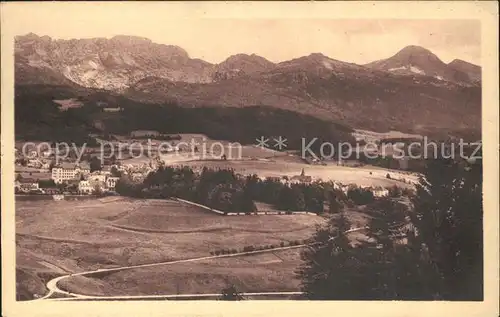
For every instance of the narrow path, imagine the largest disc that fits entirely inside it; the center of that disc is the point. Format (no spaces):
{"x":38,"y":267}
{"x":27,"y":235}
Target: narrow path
{"x":175,"y":296}
{"x":54,"y":289}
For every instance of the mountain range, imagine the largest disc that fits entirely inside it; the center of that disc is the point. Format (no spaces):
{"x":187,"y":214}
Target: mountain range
{"x":413,"y":90}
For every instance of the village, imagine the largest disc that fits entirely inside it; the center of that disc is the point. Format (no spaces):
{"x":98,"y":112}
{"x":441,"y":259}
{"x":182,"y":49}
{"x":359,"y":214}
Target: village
{"x":38,"y":174}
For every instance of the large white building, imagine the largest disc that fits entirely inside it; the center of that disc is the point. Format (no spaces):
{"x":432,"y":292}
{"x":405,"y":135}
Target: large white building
{"x":85,"y":187}
{"x":69,"y":171}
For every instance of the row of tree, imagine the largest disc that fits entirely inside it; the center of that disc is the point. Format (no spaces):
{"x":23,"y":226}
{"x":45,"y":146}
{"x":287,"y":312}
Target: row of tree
{"x":225,"y":190}
{"x":433,"y":251}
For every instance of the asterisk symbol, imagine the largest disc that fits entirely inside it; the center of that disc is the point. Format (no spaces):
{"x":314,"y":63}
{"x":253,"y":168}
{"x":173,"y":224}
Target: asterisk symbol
{"x":262,"y":142}
{"x":280,"y":142}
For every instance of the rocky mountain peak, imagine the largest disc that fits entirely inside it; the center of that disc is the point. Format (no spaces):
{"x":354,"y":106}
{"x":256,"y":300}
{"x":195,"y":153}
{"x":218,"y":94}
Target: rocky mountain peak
{"x":474,"y":71}
{"x":244,"y":60}
{"x":419,"y":61}
{"x":413,"y":54}
{"x":131,"y":40}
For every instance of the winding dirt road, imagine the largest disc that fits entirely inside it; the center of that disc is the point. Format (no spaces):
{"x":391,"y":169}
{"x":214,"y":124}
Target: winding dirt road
{"x":53,"y":288}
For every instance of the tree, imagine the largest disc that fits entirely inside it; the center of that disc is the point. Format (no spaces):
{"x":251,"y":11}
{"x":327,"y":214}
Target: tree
{"x":334,"y":205}
{"x":230,"y":293}
{"x":395,"y":191}
{"x":449,"y":219}
{"x":46,"y":183}
{"x":115,"y":172}
{"x":95,"y":164}
{"x":245,"y":202}
{"x":125,"y":187}
{"x":324,"y":273}
{"x":313,"y":197}
{"x":360,"y":196}
{"x":432,"y":252}
{"x":291,"y":199}
{"x":98,"y":190}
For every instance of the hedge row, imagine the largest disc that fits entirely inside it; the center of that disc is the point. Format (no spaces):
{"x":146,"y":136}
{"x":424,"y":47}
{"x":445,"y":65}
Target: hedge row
{"x":250,"y":248}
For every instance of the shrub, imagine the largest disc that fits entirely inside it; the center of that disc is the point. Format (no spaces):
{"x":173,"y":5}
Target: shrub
{"x":395,"y":191}
{"x":217,"y":252}
{"x":282,"y":244}
{"x":360,"y":196}
{"x":248,"y":248}
{"x":234,"y":251}
{"x":407,"y":192}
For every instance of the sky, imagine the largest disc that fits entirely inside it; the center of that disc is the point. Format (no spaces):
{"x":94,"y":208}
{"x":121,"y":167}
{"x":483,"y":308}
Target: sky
{"x":277,"y":39}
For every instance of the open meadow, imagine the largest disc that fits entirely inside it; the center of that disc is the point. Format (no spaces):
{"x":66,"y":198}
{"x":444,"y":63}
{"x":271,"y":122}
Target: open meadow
{"x":266,"y":272}
{"x":278,"y":167}
{"x":60,"y":237}
{"x":266,"y":162}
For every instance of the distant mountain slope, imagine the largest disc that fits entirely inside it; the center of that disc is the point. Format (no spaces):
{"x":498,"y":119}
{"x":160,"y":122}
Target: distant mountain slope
{"x":417,"y":60}
{"x":359,"y":96}
{"x":472,"y":70}
{"x":412,"y":91}
{"x":109,"y":63}
{"x":26,"y":74}
{"x":240,"y":65}
{"x":38,"y":117}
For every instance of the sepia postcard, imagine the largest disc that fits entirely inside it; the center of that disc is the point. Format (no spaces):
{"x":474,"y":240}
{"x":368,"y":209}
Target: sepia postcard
{"x":250,"y":158}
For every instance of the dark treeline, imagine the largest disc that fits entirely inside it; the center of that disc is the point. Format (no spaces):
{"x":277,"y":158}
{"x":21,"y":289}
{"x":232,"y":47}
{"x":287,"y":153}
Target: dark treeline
{"x":229,"y":192}
{"x":433,"y":251}
{"x":38,"y":117}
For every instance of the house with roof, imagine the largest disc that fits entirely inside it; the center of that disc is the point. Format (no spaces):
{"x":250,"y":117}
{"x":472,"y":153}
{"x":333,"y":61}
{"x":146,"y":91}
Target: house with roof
{"x":112,"y":109}
{"x":111,"y":182}
{"x":69,"y":171}
{"x":27,"y":184}
{"x":302,"y":178}
{"x":144,"y":133}
{"x":52,"y":190}
{"x":85,"y":187}
{"x":380,"y":192}
{"x":137,"y":177}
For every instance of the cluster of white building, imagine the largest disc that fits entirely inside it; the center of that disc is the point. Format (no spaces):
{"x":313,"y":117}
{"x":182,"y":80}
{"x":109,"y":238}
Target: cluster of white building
{"x":86,"y":181}
{"x":305,"y":179}
{"x":80,"y":180}
{"x":36,"y":160}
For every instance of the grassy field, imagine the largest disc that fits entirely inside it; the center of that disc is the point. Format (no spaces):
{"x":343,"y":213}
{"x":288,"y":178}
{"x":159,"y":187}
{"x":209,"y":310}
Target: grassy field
{"x":256,"y":273}
{"x":58,"y":237}
{"x":270,"y":163}
{"x":361,"y":176}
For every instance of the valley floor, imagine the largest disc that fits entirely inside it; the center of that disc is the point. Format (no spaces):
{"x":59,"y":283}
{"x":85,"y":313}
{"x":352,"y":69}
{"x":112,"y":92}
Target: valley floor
{"x":61,"y":237}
